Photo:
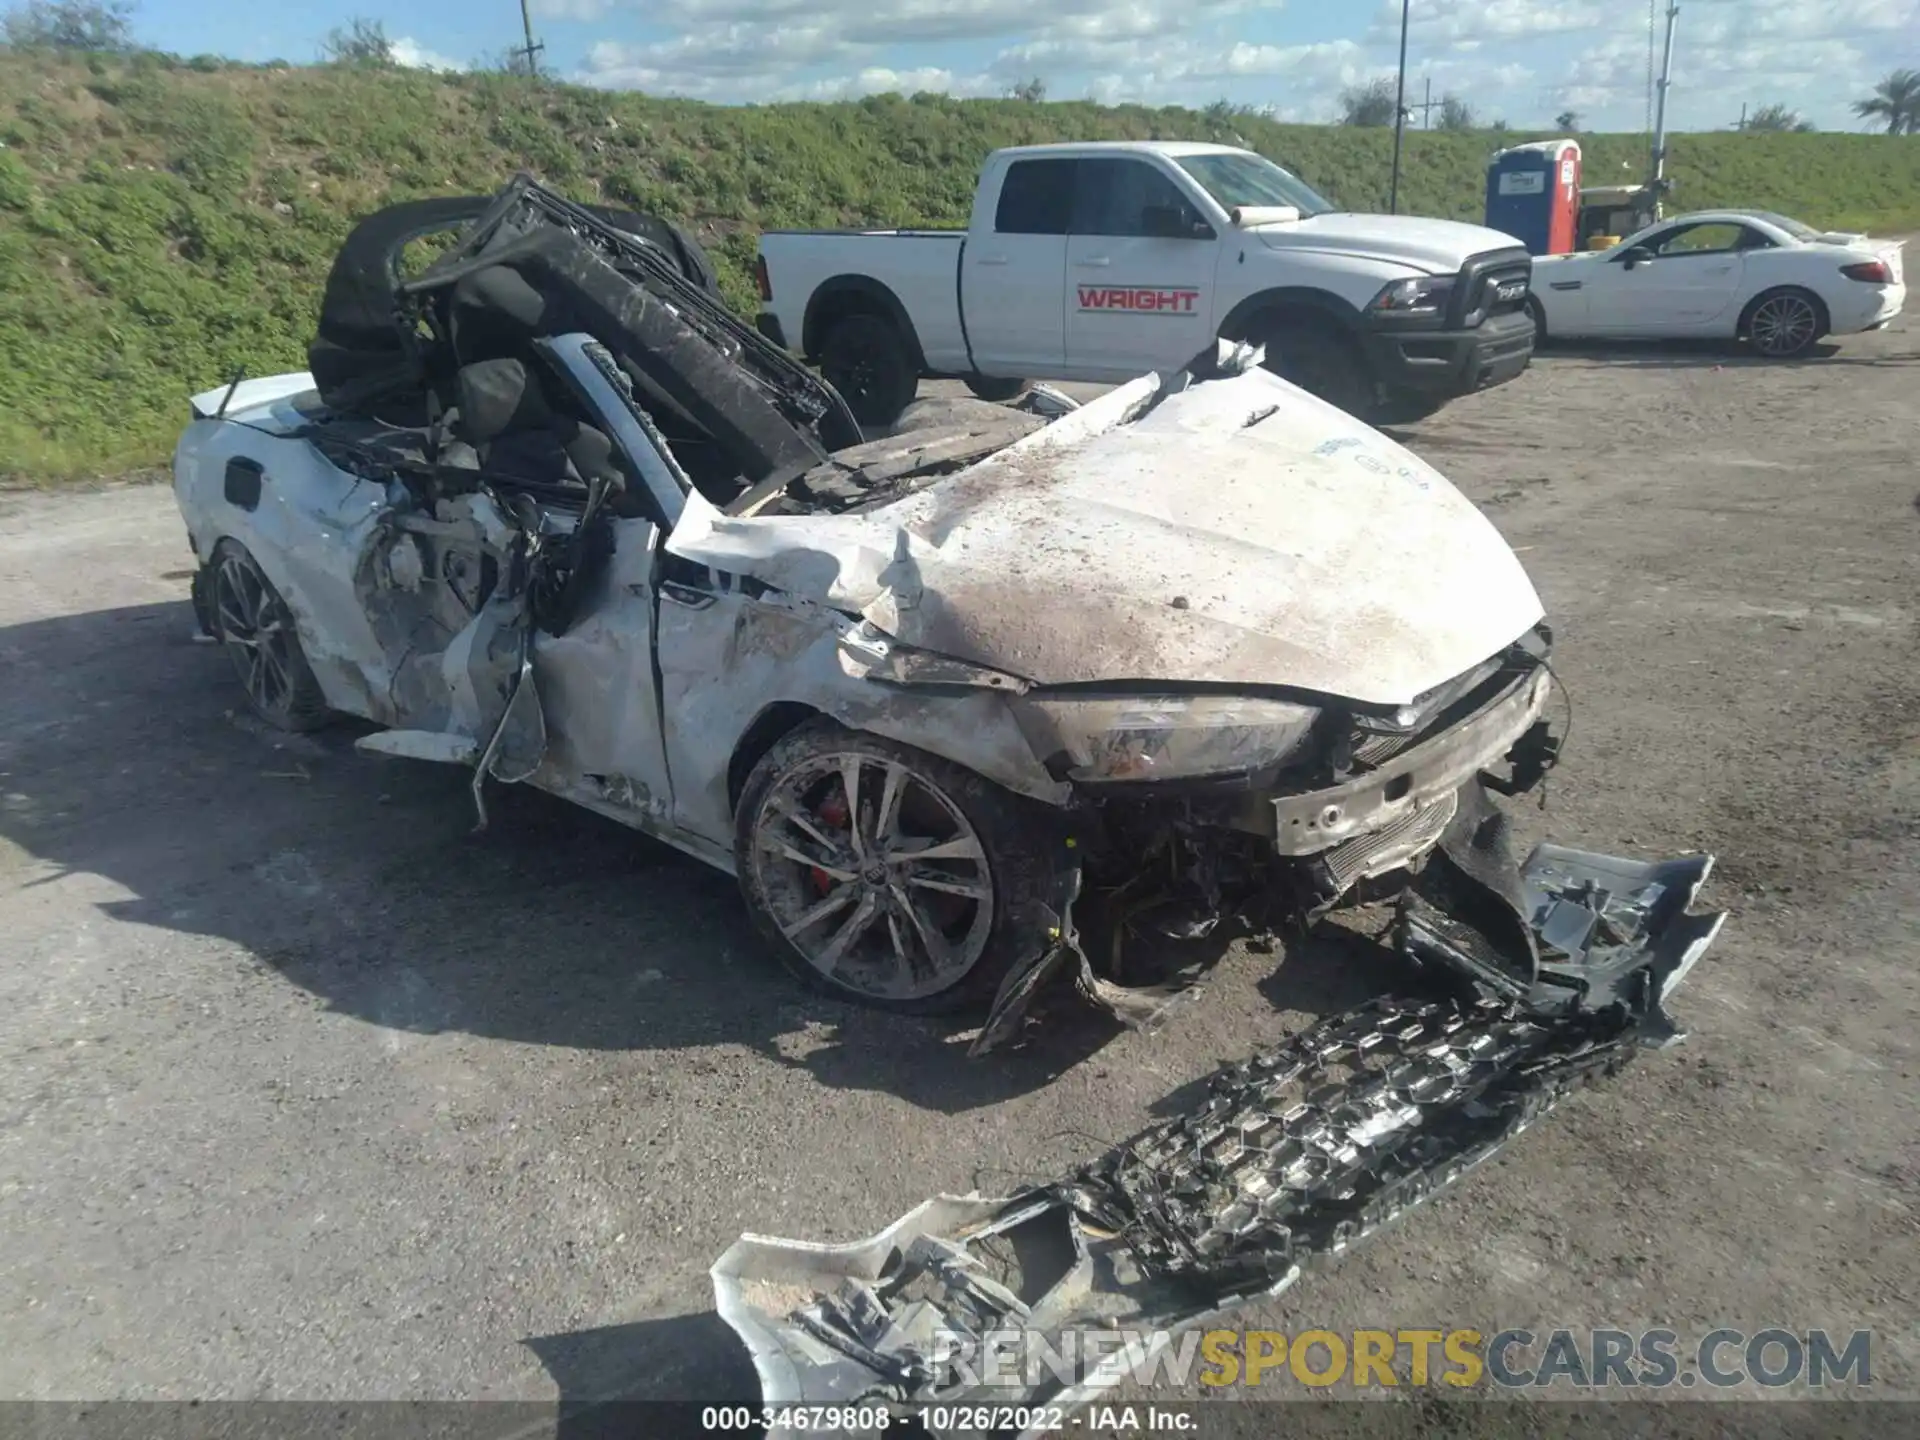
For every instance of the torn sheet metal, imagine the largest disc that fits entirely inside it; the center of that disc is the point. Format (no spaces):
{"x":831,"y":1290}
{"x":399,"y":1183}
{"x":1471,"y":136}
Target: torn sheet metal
{"x":1295,"y":1157}
{"x":1319,"y":554}
{"x":1056,"y":953}
{"x":1571,"y":931}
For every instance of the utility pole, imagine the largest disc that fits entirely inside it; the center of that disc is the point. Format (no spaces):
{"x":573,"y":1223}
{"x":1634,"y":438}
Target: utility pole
{"x":1427,"y":106}
{"x":530,"y":49}
{"x":1659,"y":180}
{"x":1399,"y":111}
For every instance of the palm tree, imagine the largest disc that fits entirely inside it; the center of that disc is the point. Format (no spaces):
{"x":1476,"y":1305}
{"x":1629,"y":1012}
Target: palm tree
{"x":1895,"y":100}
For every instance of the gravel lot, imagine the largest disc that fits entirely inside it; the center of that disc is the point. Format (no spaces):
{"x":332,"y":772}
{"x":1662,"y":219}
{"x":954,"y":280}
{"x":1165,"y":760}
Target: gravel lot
{"x":309,"y":1093}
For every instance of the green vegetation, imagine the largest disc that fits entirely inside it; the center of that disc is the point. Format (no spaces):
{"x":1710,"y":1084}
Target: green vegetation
{"x":165,"y":221}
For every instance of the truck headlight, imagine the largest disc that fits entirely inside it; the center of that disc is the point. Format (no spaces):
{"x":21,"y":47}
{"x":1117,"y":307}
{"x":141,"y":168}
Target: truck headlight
{"x":1163,"y":737}
{"x":1420,"y":295}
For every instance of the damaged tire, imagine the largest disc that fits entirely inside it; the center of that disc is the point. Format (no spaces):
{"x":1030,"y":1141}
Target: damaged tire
{"x":865,"y":358}
{"x":255,"y":628}
{"x":1405,"y":407}
{"x":887,"y":876}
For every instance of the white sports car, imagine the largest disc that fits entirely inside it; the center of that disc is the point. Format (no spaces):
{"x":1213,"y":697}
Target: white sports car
{"x":1736,"y":274}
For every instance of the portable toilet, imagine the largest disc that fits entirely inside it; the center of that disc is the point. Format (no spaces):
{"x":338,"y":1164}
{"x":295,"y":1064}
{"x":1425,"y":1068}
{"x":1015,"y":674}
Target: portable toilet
{"x":1533,"y":194}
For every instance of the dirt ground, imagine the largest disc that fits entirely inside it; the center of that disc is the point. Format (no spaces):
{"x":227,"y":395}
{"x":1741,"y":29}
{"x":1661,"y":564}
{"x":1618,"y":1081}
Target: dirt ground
{"x":309,"y":1093}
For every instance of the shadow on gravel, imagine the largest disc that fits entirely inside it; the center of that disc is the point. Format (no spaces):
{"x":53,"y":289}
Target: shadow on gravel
{"x":1708,"y":355}
{"x":123,"y":755}
{"x":612,"y":1380}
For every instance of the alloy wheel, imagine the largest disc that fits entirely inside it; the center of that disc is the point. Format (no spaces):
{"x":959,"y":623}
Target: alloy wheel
{"x":874,"y":875}
{"x":257,"y":630}
{"x":1783,"y":325}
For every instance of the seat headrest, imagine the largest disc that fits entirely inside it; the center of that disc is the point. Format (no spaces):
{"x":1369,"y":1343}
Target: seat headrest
{"x":496,"y":314}
{"x":498,"y":396}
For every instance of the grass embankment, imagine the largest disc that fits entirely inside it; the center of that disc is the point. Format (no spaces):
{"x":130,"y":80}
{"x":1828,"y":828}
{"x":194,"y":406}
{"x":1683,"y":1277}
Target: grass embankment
{"x":163,"y":222}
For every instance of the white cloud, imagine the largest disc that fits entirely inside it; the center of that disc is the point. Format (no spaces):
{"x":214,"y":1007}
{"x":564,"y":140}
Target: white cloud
{"x":1448,"y":22}
{"x":879,"y":80}
{"x":570,"y":9}
{"x":745,"y":49}
{"x":1816,"y":59}
{"x":415,"y":56}
{"x":1521,"y":60}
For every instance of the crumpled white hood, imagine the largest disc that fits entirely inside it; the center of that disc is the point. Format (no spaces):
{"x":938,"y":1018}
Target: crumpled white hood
{"x":1303,"y":549}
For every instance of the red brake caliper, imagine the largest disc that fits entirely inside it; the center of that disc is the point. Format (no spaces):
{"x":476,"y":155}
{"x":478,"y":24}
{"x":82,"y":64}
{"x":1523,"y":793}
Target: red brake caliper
{"x":833,"y":810}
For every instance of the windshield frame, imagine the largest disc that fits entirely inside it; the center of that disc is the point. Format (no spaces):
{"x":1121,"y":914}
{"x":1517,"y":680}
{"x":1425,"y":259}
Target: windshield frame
{"x":1292,"y":189}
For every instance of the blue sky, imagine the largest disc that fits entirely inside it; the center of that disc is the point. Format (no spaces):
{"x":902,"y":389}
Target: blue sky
{"x":1520,"y":60}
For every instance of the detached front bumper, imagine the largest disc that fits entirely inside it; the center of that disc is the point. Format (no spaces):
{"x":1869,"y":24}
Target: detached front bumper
{"x":1450,"y":362}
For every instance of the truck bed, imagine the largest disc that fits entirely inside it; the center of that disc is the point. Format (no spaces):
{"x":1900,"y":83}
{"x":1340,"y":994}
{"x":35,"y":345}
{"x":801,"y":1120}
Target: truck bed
{"x":920,"y":267}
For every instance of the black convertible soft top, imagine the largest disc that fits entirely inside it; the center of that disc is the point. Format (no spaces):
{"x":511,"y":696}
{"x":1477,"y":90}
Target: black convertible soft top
{"x":359,"y":352}
{"x":528,"y":263}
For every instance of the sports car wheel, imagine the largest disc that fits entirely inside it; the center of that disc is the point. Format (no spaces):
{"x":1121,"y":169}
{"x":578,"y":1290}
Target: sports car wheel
{"x":1784,"y":323}
{"x":255,"y":627}
{"x":882,"y":874}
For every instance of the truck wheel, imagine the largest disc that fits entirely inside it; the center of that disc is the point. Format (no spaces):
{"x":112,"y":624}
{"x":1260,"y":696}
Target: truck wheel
{"x":1404,"y":407}
{"x":865,"y":358}
{"x":991,"y":387}
{"x":1312,"y":354}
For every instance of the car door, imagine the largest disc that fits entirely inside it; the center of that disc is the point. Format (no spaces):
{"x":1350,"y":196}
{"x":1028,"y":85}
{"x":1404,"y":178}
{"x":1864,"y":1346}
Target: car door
{"x":1563,"y":286}
{"x":597,"y":688}
{"x":1676,"y":281}
{"x":1013,"y":277}
{"x":1140,"y":263}
{"x":596,"y":678}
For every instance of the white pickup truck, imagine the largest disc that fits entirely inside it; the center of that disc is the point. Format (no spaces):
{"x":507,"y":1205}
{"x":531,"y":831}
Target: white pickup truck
{"x":1102,"y":261}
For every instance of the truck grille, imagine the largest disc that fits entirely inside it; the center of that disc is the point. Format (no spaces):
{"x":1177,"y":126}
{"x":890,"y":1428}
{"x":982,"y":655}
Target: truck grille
{"x":1493,"y":283}
{"x":1504,"y":291}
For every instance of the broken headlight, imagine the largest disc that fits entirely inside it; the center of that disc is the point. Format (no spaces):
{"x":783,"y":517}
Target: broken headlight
{"x":1162,"y":737}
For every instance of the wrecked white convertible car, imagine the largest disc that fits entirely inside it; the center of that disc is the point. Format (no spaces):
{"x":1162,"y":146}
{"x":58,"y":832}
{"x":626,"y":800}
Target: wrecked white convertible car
{"x":1205,"y":648}
{"x":1205,"y":651}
